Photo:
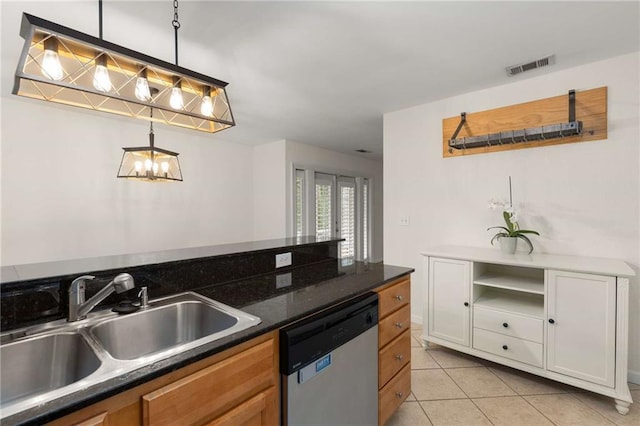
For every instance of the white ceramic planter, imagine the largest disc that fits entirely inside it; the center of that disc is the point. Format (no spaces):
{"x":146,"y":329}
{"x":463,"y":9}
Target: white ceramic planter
{"x":508,"y":245}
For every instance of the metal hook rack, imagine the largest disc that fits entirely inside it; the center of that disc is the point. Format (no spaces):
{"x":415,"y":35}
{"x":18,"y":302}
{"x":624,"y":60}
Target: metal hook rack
{"x":571,"y":128}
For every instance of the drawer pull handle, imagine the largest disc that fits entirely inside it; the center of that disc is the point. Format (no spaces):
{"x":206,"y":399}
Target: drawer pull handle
{"x":399,"y":298}
{"x":466,"y":303}
{"x":551,"y":321}
{"x":399,"y":357}
{"x":399,"y":394}
{"x":505,"y":325}
{"x":505,"y":347}
{"x":399,"y":325}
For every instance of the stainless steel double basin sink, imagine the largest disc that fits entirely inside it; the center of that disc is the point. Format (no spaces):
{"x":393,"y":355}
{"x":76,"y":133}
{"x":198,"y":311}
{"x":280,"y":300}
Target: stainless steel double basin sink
{"x":42,"y":363}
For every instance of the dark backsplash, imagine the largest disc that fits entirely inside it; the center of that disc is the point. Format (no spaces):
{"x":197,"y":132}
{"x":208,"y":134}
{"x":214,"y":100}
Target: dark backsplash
{"x":28,"y":302}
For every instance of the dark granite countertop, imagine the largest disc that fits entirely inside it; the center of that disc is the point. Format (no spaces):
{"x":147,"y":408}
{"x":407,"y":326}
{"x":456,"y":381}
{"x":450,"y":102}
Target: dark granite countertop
{"x":278,"y":299}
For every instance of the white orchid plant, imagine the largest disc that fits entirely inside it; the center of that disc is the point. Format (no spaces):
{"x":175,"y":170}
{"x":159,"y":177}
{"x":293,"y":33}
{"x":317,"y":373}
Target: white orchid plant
{"x":511,"y":220}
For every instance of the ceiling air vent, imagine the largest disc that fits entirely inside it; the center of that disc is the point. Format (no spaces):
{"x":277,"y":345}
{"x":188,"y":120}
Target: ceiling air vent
{"x":543,"y":62}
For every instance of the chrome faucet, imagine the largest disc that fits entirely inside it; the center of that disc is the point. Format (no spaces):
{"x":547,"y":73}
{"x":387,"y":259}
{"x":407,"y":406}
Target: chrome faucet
{"x":78,"y":308}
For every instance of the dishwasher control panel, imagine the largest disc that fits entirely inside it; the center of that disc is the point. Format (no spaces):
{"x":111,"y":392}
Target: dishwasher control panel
{"x":304,"y":343}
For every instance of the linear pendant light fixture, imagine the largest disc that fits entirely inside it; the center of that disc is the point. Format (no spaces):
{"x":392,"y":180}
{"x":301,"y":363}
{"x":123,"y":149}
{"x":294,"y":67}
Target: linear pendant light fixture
{"x":60,"y":64}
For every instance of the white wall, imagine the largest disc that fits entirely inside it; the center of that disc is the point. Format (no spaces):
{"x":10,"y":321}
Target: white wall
{"x":60,"y":195}
{"x":270,"y":191}
{"x":583,"y":198}
{"x":307,"y":156}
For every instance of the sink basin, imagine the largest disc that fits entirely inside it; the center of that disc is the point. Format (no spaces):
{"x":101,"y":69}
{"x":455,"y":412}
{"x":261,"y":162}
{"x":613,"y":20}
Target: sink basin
{"x":42,"y":364}
{"x":151,"y":331}
{"x":47,"y":361}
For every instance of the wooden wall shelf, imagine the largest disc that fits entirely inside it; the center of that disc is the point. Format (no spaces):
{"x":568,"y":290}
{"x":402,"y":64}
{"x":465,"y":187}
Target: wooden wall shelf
{"x":590,"y":108}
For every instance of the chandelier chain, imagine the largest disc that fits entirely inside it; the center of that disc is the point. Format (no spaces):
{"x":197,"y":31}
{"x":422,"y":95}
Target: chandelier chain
{"x":176,"y":26}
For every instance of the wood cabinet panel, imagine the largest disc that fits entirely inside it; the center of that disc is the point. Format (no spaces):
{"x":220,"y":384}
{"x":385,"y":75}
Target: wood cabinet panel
{"x":393,"y":394}
{"x":393,"y":357}
{"x":125,"y":408}
{"x":261,"y":410}
{"x":394,"y":297}
{"x":393,"y":325}
{"x":101,"y":419}
{"x":212,"y":391}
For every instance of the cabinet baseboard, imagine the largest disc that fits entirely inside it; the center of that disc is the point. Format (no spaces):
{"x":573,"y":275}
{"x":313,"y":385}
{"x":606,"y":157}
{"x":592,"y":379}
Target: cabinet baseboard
{"x":633,"y":377}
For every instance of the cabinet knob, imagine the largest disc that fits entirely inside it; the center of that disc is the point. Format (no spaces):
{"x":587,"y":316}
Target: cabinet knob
{"x":505,"y":325}
{"x":399,"y":298}
{"x":399,"y":357}
{"x":505,"y":347}
{"x":399,"y":394}
{"x":466,"y":303}
{"x":551,"y":321}
{"x":399,"y":324}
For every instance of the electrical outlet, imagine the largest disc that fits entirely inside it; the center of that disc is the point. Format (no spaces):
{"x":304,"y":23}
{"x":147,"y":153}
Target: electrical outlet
{"x":404,"y":221}
{"x":283,"y":280}
{"x":283,"y":259}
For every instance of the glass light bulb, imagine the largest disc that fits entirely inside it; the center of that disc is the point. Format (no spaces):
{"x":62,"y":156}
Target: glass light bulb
{"x":207,"y":106}
{"x":142,"y":89}
{"x":165,"y":167}
{"x":176,"y":101}
{"x":155,"y":168}
{"x":101,"y":80}
{"x":138,"y":166}
{"x":147,"y":164}
{"x":51,"y":67}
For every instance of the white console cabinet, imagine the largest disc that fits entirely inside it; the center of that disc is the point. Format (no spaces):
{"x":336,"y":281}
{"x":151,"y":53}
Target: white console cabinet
{"x":560,"y":317}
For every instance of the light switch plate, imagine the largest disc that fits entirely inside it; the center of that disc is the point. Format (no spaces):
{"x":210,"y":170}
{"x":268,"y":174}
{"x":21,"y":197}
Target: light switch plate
{"x":405,"y":221}
{"x":283,"y":259}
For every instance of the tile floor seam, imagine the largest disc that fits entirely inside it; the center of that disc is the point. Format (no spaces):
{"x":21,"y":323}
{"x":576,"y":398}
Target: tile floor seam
{"x":541,"y":413}
{"x":456,"y":383}
{"x":505,"y":383}
{"x":480,"y":409}
{"x":583,"y":404}
{"x":425,"y":412}
{"x":592,"y":409}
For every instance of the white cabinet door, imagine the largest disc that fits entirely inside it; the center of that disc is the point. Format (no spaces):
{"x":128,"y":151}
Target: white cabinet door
{"x":449,"y":304}
{"x":581,"y":326}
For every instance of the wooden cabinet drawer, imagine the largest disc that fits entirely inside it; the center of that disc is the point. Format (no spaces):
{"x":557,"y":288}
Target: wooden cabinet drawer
{"x":515,"y":325}
{"x":508,"y":347}
{"x":261,"y":410}
{"x":393,"y":325}
{"x":393,"y":394}
{"x":212,"y":391}
{"x":393,"y":357}
{"x":394,"y":297}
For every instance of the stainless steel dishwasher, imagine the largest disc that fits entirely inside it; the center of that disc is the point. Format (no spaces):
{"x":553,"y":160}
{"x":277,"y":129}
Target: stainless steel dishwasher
{"x":329,"y":366}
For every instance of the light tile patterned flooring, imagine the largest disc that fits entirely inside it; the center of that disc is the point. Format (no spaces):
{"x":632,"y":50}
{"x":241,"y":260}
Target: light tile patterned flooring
{"x":450,"y":388}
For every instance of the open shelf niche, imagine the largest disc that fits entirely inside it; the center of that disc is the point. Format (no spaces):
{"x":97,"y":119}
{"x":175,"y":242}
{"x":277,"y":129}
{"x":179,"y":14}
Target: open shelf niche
{"x":514,"y":289}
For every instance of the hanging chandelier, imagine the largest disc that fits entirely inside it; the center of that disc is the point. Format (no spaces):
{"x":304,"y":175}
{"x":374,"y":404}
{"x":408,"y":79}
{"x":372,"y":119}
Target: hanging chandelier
{"x":149,"y":162}
{"x":60,"y":64}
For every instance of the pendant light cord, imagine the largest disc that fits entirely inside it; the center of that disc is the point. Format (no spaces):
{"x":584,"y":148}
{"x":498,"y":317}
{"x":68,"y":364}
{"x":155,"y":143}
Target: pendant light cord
{"x":100,"y":19}
{"x":176,"y":25}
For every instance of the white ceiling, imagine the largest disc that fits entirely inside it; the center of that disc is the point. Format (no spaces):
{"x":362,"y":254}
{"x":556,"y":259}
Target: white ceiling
{"x":324,"y":73}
